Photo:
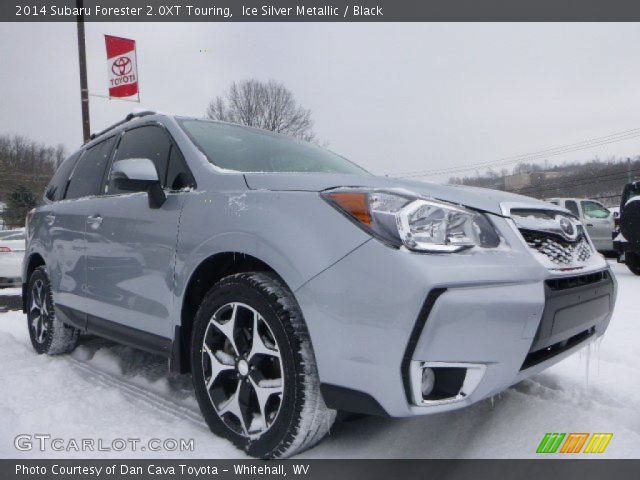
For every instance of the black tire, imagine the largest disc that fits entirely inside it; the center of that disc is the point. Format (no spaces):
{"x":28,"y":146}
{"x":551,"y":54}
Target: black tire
{"x":48,"y":334}
{"x":302,"y":418}
{"x":632,"y":260}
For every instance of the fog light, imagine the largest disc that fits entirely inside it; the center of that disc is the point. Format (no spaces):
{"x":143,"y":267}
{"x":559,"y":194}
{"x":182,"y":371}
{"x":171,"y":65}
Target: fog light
{"x":428,"y":381}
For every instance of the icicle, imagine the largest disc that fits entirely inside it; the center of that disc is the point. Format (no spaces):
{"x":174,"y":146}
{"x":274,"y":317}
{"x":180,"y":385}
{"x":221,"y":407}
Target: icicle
{"x":598,"y":344}
{"x":588,"y":364}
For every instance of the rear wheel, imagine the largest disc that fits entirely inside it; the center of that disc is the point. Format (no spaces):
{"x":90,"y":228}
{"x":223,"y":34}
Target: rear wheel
{"x":48,"y":334}
{"x":254,"y":370}
{"x":632,"y":260}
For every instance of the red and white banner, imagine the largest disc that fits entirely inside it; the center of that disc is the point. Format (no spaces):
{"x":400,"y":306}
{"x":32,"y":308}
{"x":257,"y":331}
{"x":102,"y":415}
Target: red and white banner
{"x":122,"y":66}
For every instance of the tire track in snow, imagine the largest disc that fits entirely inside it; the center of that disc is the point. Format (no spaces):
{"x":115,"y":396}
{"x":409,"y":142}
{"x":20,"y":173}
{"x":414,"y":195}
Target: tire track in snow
{"x":157,"y":401}
{"x":550,"y":389}
{"x":606,"y":406}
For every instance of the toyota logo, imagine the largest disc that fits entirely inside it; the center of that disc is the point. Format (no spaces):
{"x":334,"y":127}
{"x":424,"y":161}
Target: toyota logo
{"x":568,"y":229}
{"x":121,"y":66}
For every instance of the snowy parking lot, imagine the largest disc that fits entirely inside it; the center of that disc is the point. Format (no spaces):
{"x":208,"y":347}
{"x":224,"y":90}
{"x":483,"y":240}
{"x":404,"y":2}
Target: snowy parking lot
{"x":107,"y":391}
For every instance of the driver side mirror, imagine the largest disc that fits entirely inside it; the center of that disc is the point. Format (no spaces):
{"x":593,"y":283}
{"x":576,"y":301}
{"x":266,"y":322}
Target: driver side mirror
{"x":138,"y":175}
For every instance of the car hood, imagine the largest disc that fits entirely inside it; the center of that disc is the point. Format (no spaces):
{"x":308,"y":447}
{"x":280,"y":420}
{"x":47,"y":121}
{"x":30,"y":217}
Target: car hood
{"x":485,"y":199}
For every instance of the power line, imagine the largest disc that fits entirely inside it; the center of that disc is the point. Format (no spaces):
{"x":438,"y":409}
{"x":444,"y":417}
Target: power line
{"x":519,"y":160}
{"x":535,"y":155}
{"x":580,"y":182}
{"x":545,"y":153}
{"x":609,"y":196}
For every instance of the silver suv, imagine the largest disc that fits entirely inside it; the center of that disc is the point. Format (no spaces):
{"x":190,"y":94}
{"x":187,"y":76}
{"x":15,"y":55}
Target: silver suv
{"x":293,"y":284}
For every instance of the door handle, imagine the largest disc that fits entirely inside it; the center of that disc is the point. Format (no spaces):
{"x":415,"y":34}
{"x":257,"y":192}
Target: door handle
{"x":94,"y":221}
{"x":50,"y":219}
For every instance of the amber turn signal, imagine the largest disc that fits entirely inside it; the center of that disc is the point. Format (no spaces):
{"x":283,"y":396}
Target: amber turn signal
{"x":355,"y":204}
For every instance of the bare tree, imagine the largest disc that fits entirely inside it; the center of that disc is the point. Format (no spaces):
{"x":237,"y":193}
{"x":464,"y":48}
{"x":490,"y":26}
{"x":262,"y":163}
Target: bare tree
{"x":27,"y":164}
{"x":268,"y":105}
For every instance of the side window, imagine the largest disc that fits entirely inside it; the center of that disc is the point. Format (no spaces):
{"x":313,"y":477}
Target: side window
{"x":178,"y":174}
{"x":593,"y":209}
{"x":572,"y":206}
{"x":58,"y":185}
{"x":144,"y":142}
{"x":87,"y":176}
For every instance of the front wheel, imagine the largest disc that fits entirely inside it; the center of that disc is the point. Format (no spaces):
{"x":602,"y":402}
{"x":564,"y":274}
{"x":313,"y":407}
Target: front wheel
{"x":632,"y":260}
{"x":48,"y":334}
{"x":254,"y":370}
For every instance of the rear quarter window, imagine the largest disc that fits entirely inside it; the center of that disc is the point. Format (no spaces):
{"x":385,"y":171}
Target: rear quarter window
{"x":58,"y":185}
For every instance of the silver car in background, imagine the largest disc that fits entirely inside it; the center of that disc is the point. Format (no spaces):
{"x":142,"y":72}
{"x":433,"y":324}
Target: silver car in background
{"x":12,"y":247}
{"x":598,"y":219}
{"x":293,"y":284}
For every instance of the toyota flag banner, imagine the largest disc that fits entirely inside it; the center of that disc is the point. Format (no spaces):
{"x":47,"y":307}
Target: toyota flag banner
{"x":122,"y":66}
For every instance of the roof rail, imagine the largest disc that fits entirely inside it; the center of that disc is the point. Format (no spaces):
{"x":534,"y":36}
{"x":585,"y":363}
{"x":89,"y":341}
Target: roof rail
{"x":121,"y":122}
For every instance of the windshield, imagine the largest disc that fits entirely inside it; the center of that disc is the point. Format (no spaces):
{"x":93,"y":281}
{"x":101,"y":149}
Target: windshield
{"x":244,"y":149}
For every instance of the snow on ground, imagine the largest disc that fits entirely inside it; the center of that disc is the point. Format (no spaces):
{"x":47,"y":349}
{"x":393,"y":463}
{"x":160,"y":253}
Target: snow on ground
{"x":108,"y":391}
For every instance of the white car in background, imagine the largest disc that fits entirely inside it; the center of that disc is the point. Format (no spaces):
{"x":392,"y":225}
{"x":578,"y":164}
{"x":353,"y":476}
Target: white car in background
{"x":12,"y":248}
{"x":597,"y":219}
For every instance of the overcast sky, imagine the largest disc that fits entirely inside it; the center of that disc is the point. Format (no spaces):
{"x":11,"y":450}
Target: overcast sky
{"x":391,"y":97}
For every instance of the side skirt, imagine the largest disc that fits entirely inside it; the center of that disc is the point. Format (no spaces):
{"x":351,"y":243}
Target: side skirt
{"x":125,"y":335}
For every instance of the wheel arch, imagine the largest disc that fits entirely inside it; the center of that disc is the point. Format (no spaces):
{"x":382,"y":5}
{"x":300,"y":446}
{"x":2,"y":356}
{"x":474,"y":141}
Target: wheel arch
{"x":35,"y":260}
{"x":204,"y":276}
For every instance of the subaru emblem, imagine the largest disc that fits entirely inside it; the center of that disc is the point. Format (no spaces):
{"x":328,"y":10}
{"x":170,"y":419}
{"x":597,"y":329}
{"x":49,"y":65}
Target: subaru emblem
{"x":568,"y":229}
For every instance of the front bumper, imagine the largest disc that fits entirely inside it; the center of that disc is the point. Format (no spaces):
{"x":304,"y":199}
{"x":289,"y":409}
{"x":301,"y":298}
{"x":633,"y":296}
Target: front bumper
{"x":369,"y":321}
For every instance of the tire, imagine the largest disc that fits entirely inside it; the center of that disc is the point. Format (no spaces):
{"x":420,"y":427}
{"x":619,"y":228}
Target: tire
{"x":48,"y":334}
{"x":282,"y":411}
{"x":632,"y":260}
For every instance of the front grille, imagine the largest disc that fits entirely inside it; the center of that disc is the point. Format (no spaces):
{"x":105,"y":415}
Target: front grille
{"x":577,"y":281}
{"x":558,"y":250}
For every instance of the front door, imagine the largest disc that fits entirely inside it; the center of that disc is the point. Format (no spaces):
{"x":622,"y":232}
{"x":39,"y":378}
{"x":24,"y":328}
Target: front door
{"x":130,"y":261}
{"x":131,"y":247}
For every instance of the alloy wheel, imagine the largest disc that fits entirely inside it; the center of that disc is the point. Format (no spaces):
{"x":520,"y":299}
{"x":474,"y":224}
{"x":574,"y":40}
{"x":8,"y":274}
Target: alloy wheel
{"x":39,"y":311}
{"x":242,"y":368}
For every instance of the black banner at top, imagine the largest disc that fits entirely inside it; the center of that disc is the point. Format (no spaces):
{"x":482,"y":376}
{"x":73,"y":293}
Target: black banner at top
{"x":321,"y":10}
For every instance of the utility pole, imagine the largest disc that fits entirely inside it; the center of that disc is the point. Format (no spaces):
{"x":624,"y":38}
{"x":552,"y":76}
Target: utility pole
{"x":629,"y":176}
{"x":84,"y":89}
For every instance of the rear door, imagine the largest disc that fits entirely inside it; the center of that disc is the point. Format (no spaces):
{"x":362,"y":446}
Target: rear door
{"x":65,"y":221}
{"x":131,"y":247}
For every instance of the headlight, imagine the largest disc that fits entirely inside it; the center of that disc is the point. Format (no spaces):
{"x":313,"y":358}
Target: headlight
{"x":419,"y":224}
